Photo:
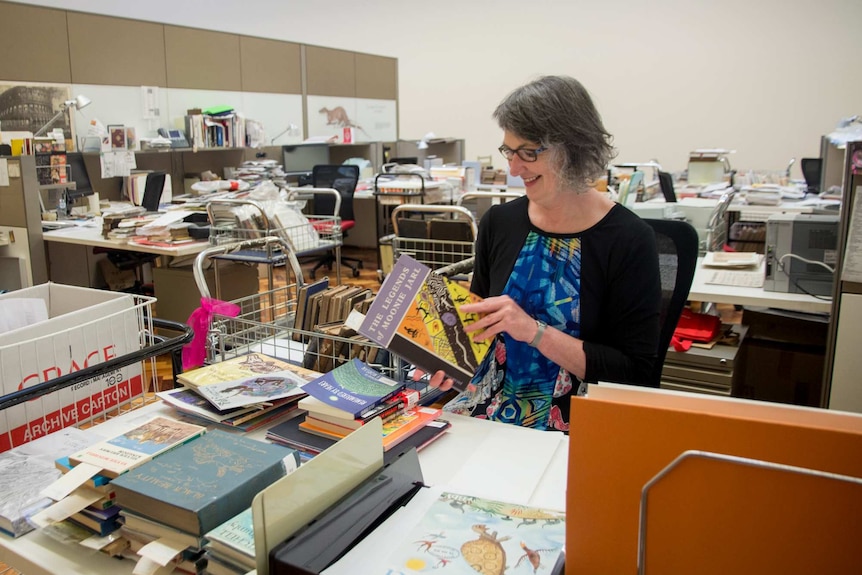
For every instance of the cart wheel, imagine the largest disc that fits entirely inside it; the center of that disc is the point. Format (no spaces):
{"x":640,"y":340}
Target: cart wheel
{"x":380,"y":276}
{"x":356,"y":273}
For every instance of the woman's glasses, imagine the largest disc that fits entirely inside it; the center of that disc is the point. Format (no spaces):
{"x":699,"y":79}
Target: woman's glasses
{"x":526,"y":154}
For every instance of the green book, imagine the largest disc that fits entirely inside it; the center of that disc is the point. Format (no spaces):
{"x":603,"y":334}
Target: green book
{"x":233,"y":540}
{"x":202,"y":484}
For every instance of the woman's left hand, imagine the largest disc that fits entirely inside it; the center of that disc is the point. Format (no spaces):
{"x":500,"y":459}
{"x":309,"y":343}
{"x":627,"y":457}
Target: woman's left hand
{"x":500,"y":314}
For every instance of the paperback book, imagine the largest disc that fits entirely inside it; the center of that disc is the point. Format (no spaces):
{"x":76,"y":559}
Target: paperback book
{"x":465,"y":535}
{"x":124,"y":452}
{"x":417,"y":315}
{"x":253,"y":390}
{"x":233,"y":540}
{"x":354,"y":387}
{"x":243,"y":366}
{"x":205,"y":482}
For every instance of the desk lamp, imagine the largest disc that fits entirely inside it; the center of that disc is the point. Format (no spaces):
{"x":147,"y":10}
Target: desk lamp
{"x":79,"y":102}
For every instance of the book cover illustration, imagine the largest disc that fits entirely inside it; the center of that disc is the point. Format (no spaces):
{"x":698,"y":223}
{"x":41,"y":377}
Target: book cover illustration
{"x":124,"y":452}
{"x":248,"y":365}
{"x":252,"y":390}
{"x":465,"y":535}
{"x":416,"y":314}
{"x":354,"y":387}
{"x":205,"y":482}
{"x":189,"y":401}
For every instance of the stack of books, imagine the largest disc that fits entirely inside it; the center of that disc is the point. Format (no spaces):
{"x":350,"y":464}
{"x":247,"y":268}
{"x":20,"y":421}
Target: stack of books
{"x":179,"y":497}
{"x":346,"y":398}
{"x":243,"y":393}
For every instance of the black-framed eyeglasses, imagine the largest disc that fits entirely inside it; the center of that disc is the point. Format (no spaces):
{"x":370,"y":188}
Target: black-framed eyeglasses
{"x":526,"y":154}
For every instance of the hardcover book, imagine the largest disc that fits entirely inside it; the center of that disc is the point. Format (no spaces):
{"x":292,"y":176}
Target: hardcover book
{"x":124,"y":452}
{"x":417,"y":315}
{"x":249,"y":365}
{"x":354,"y":387}
{"x":465,"y":535}
{"x":205,"y":482}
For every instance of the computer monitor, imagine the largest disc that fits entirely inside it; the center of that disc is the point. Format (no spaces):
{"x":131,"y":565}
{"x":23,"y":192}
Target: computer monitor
{"x":78,"y":174}
{"x":300,"y":160}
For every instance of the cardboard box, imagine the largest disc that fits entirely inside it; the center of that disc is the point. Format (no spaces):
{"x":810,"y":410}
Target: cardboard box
{"x":178,"y":294}
{"x":706,"y":516}
{"x":85,"y":327}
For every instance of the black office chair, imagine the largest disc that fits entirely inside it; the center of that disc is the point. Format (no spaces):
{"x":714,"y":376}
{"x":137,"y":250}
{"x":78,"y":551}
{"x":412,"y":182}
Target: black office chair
{"x":344,"y":179}
{"x":812,"y":169}
{"x":677,"y":251}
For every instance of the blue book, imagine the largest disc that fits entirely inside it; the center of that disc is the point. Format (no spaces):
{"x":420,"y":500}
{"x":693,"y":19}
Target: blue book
{"x":205,"y":482}
{"x":354,"y":387}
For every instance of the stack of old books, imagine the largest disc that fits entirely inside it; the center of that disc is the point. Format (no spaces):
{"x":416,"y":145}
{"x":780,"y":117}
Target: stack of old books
{"x":170,"y":503}
{"x":243,"y":393}
{"x":229,"y":549}
{"x":349,"y":396}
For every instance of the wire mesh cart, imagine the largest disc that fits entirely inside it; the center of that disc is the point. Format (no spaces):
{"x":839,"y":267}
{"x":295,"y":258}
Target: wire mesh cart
{"x":235,"y":220}
{"x":87,"y":366}
{"x":438,"y":237}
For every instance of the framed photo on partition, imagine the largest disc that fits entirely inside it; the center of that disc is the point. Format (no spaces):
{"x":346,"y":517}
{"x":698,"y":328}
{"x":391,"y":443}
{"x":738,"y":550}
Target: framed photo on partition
{"x":118,"y":137}
{"x":131,"y":140}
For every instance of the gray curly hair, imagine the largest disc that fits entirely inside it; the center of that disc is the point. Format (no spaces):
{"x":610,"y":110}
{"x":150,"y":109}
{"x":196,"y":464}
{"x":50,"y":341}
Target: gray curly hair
{"x":558,"y":113}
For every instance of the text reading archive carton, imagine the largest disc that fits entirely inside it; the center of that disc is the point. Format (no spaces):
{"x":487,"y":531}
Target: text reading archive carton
{"x":84,"y":327}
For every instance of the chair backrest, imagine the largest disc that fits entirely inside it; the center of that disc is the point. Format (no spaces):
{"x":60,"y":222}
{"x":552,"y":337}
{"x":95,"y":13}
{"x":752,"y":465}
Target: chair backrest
{"x":677,"y":244}
{"x":342,"y":177}
{"x":153,"y":191}
{"x":812,"y":171}
{"x":665,"y":183}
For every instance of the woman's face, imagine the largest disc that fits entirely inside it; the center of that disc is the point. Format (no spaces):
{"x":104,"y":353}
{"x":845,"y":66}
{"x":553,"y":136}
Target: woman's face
{"x":540,"y":178}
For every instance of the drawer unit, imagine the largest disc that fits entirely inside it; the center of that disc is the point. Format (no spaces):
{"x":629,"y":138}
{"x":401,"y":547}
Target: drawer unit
{"x":702,"y":370}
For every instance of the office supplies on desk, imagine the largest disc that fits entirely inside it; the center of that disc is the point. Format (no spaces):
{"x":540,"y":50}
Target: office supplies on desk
{"x":732,"y":259}
{"x":801,"y":253}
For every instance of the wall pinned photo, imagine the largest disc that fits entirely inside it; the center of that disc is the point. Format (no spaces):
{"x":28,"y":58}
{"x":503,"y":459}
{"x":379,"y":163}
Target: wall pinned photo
{"x":131,"y":140}
{"x":118,"y":137}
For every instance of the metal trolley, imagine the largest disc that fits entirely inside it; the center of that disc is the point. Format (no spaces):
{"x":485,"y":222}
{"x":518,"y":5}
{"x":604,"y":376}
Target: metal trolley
{"x":440,"y":237}
{"x":265,"y":323}
{"x":234,"y":220}
{"x":102,"y":386}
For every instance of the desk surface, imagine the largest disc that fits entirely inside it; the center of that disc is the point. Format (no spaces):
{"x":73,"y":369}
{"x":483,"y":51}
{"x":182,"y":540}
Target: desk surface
{"x":752,"y":296}
{"x":91,"y":235}
{"x":474,"y":456}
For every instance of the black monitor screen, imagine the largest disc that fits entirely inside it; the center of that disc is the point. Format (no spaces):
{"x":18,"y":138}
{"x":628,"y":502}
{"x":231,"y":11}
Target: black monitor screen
{"x":301,"y":159}
{"x":78,"y":172}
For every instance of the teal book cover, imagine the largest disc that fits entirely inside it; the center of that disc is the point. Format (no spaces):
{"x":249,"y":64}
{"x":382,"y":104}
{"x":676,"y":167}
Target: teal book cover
{"x":234,"y":539}
{"x":202,"y":484}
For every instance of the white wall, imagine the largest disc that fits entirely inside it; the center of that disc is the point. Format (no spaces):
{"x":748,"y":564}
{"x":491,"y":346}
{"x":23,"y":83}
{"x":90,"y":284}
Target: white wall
{"x":764,"y":77}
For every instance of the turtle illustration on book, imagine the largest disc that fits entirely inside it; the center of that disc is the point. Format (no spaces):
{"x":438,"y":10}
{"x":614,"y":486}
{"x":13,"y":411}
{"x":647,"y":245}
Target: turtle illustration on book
{"x":485,"y":554}
{"x":338,"y":117}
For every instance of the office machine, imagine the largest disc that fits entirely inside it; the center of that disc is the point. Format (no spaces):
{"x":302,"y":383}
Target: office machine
{"x":801,"y":253}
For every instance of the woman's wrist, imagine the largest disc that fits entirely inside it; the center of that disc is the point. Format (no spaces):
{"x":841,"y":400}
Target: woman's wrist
{"x":540,"y":331}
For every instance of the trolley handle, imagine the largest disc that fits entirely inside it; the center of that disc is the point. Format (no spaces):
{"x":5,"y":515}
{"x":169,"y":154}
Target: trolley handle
{"x":294,"y":194}
{"x":162,"y":346}
{"x":458,"y":211}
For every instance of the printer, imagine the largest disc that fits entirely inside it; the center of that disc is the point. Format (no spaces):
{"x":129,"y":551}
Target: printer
{"x":801,"y":253}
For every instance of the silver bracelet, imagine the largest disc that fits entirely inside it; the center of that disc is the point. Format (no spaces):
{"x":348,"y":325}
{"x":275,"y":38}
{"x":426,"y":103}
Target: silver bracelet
{"x":539,"y":333}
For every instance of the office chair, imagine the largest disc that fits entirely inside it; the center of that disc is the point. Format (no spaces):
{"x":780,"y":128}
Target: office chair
{"x":677,"y":244}
{"x":665,"y":183}
{"x":344,"y":179}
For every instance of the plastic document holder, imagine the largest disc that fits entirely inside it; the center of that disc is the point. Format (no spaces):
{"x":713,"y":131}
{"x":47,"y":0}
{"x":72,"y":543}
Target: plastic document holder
{"x":323,"y":541}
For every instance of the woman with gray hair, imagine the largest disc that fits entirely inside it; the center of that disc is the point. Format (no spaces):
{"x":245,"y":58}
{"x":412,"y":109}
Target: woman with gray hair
{"x":570,"y":278}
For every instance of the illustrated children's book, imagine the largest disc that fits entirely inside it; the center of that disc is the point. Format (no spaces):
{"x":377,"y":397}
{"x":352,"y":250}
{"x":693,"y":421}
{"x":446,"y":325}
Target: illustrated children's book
{"x":466,"y":535}
{"x":249,"y":365}
{"x":354,"y":387}
{"x":252,"y":390}
{"x":137,"y":446}
{"x":416,"y":315}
